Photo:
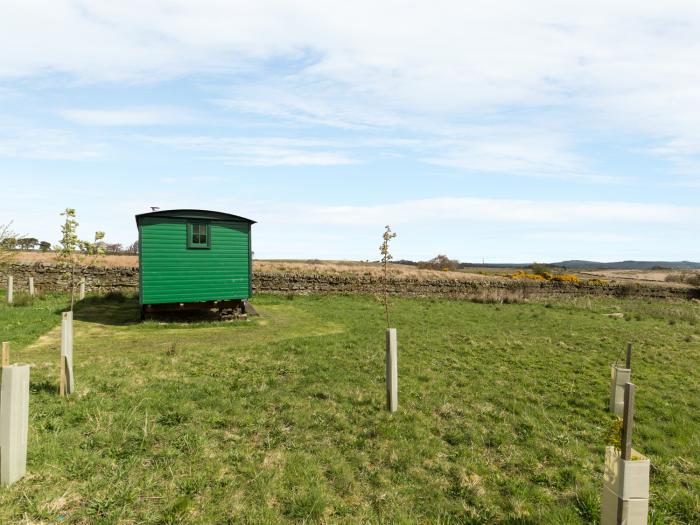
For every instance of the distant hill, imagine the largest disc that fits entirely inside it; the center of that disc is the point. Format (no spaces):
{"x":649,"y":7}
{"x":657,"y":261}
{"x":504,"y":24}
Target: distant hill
{"x":630,"y":265}
{"x":593,"y":265}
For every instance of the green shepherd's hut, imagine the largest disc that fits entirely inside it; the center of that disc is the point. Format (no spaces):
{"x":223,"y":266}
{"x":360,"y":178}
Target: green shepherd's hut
{"x":194,"y":259}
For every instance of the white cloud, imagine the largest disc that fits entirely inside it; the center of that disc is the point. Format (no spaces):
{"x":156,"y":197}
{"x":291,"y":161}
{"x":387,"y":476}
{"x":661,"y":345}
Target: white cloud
{"x":519,"y":230}
{"x":47,"y":144}
{"x":135,"y":116}
{"x":618,"y":67}
{"x":471,"y":228}
{"x":598,"y":237}
{"x":262,"y":151}
{"x":315,"y":104}
{"x":451,"y":55}
{"x":479,"y":210}
{"x":515,"y":150}
{"x":190,"y":179}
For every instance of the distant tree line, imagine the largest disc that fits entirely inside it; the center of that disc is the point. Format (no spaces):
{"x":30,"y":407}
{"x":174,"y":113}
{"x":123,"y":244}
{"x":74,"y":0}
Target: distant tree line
{"x":25,"y":243}
{"x":34,"y":244}
{"x":444,"y":263}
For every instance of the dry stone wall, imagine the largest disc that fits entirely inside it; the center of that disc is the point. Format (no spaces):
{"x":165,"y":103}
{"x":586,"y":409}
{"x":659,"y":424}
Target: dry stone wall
{"x":56,"y":277}
{"x":51,"y":277}
{"x":504,"y":290}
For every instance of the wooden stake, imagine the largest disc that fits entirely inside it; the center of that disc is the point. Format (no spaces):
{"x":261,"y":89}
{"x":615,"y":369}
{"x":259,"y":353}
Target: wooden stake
{"x":31,"y":285}
{"x":10,"y":289}
{"x":628,"y":422}
{"x":628,"y":359}
{"x":5,"y":353}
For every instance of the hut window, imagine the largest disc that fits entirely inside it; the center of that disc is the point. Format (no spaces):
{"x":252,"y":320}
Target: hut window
{"x":198,"y":235}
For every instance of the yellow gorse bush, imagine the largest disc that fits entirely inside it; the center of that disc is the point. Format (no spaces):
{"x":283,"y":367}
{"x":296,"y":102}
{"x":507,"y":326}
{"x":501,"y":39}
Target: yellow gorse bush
{"x":566,"y":278}
{"x":520,"y":274}
{"x":546,"y":276}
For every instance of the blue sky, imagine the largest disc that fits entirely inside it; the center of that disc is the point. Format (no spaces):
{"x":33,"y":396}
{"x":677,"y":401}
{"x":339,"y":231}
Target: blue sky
{"x":497,"y":131}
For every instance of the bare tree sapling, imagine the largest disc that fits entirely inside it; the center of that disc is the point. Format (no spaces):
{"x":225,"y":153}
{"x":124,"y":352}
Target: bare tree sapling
{"x":386,"y":257}
{"x":73,"y":251}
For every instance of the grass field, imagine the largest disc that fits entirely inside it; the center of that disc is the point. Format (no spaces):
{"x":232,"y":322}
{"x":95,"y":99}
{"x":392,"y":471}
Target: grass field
{"x":502,"y":413}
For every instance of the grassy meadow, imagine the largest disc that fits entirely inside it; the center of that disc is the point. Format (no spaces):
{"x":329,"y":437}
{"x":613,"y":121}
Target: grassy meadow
{"x":502,"y":412}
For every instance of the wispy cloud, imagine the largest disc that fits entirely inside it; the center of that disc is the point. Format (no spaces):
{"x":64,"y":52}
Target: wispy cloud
{"x":134,"y":116}
{"x":513,"y":150}
{"x":598,"y":237}
{"x":480,"y":210}
{"x":263,"y":152}
{"x":316,"y":105}
{"x":47,"y":144}
{"x":192,"y":178}
{"x":428,"y":99}
{"x":467,"y":228}
{"x":508,"y":150}
{"x":609,"y":66}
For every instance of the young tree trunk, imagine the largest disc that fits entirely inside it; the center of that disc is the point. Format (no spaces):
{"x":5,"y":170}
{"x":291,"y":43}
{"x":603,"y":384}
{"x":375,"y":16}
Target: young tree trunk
{"x":72,"y":285}
{"x":386,"y":296}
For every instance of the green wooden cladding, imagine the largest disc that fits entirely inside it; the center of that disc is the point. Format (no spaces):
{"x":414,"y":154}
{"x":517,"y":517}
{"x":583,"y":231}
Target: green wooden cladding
{"x":173,"y":270}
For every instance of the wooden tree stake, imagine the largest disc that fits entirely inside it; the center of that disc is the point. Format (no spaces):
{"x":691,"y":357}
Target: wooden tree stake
{"x":10,"y":289}
{"x":628,"y":422}
{"x":628,"y":359}
{"x":31,"y":285}
{"x":5,"y":353}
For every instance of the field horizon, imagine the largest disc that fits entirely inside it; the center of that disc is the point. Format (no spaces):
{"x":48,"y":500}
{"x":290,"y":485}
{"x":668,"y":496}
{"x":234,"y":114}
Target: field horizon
{"x":652,"y":275}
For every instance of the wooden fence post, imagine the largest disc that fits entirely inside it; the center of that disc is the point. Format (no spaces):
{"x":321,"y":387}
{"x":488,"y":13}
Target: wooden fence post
{"x":14,"y":420}
{"x":628,"y":422}
{"x":31,"y":285}
{"x":10,"y":289}
{"x":5,"y":353}
{"x":628,"y":358}
{"x":392,"y":371}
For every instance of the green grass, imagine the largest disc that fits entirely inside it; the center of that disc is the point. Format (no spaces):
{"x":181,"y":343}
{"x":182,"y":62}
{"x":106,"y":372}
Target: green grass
{"x":29,"y":317}
{"x":502,"y":413}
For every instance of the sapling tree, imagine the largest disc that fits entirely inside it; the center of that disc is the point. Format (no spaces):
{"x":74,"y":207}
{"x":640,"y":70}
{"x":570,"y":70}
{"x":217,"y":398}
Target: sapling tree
{"x":392,"y":372}
{"x":386,"y":257}
{"x":73,"y":251}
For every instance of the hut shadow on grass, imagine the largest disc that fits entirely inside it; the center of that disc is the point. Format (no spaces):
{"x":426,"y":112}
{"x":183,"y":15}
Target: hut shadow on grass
{"x":186,"y":316}
{"x":113,"y":308}
{"x":119,"y":309}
